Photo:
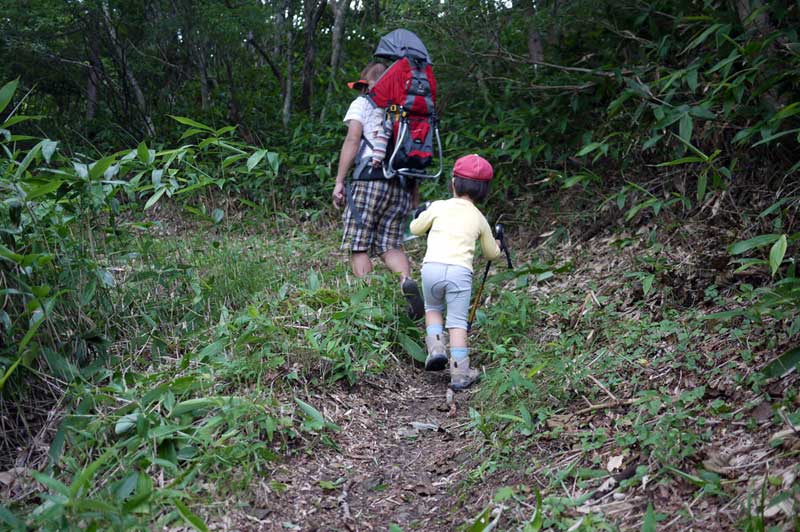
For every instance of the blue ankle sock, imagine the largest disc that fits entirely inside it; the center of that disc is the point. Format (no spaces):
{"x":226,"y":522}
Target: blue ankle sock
{"x":459,"y":353}
{"x":433,"y":330}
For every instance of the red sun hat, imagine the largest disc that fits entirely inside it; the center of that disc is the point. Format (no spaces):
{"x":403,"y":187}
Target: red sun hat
{"x":358,"y":85}
{"x":473,"y":167}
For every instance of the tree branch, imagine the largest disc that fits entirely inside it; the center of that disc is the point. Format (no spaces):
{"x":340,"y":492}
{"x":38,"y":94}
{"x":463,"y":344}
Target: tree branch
{"x":277,"y":73}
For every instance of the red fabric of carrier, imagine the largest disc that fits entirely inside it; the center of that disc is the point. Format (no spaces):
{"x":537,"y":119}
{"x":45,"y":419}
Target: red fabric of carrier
{"x":393,"y":88}
{"x":407,"y":90}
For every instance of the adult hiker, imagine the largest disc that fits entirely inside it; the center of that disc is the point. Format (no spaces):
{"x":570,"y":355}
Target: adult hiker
{"x":453,"y":226}
{"x":375,"y":207}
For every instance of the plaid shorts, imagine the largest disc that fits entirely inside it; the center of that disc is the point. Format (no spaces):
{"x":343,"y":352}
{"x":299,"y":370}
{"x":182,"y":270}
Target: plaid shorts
{"x":383,"y":205}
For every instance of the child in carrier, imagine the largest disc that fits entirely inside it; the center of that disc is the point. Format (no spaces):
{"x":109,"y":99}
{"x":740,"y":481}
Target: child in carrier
{"x":455,"y":224}
{"x":376,"y":131}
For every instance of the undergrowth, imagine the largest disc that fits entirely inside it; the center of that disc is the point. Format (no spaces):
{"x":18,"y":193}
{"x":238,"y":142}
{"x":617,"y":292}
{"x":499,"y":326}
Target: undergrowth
{"x":227,"y":341}
{"x":610,"y":385}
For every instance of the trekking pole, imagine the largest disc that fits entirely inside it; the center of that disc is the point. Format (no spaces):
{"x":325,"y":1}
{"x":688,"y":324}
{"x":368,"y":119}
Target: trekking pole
{"x":499,"y":231}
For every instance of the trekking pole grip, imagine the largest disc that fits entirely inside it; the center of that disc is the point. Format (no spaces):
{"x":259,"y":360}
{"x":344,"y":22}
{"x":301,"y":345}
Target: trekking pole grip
{"x":499,"y":230}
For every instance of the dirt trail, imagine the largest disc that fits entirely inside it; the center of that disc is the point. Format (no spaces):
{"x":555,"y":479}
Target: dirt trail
{"x":387,"y":470}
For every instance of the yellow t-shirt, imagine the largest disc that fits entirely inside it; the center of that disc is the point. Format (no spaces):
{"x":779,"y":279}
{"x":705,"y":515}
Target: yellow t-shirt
{"x":455,"y":225}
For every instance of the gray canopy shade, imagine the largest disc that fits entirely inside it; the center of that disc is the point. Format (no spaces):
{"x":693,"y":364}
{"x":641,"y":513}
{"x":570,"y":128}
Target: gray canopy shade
{"x":401,"y":43}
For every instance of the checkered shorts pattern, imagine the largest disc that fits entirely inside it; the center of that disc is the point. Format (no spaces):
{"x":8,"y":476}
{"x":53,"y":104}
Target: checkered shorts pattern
{"x":383,"y":205}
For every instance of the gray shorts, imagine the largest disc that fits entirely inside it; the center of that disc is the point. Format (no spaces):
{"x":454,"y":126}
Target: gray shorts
{"x":447,"y":285}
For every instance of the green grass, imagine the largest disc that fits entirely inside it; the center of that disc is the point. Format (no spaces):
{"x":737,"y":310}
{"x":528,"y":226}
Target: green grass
{"x":217,"y":339}
{"x":661,"y":378}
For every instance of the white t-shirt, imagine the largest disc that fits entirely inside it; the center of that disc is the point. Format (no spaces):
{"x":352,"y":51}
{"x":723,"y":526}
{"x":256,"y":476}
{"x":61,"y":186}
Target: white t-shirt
{"x":370,"y":118}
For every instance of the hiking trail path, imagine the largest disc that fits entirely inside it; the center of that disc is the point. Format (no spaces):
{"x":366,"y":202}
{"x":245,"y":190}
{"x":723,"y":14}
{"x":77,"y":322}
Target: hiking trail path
{"x":402,"y":448}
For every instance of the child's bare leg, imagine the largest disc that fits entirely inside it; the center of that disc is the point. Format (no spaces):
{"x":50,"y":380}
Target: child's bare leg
{"x":434,"y":317}
{"x":458,"y":337}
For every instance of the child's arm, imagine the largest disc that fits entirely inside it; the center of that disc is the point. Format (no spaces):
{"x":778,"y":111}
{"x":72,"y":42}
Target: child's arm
{"x":422,"y":223}
{"x":489,"y":246}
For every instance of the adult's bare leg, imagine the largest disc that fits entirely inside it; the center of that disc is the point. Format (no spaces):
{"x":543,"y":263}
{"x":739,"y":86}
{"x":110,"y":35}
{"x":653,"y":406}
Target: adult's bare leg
{"x":360,"y":263}
{"x":396,"y":260}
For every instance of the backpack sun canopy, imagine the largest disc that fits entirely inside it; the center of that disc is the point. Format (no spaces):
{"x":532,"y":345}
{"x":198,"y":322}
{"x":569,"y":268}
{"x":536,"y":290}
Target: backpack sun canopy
{"x":402,"y":43}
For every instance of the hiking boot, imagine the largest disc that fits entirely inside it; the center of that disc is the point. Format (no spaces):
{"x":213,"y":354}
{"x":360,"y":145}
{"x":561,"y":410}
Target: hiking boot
{"x":416,"y":307}
{"x":437,"y":353}
{"x":461,"y":375}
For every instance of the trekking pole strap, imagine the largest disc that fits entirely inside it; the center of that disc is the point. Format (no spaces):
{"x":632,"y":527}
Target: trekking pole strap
{"x":351,"y":203}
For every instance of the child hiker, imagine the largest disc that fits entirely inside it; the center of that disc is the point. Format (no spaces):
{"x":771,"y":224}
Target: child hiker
{"x":455,"y":224}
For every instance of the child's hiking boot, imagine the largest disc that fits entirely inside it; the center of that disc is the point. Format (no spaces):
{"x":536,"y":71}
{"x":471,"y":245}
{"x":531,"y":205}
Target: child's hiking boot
{"x":437,"y":353}
{"x":416,"y":307}
{"x":461,"y":375}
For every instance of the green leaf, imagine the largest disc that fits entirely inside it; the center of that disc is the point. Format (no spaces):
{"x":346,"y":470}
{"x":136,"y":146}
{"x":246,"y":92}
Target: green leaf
{"x":51,"y":483}
{"x":48,"y":149}
{"x":274,"y":161}
{"x":191,"y":518}
{"x":7,"y":92}
{"x":536,"y":523}
{"x":154,"y":198}
{"x":126,"y":423}
{"x":106,"y":278}
{"x":697,"y":41}
{"x":88,"y":474}
{"x":589,"y":148}
{"x":702,"y":183}
{"x":217,"y":215}
{"x":756,"y":242}
{"x":311,"y":412}
{"x":647,"y":283}
{"x":144,"y":154}
{"x":7,"y":517}
{"x":39,"y":190}
{"x":10,"y":255}
{"x":649,"y":524}
{"x":9,"y":371}
{"x":412,"y":348}
{"x":190,"y":405}
{"x":254,"y":159}
{"x":29,"y":158}
{"x":682,"y":160}
{"x":482,"y":522}
{"x":99,"y":168}
{"x":776,"y":254}
{"x":685,"y":127}
{"x":14,"y":120}
{"x":189,"y":122}
{"x":774,"y":136}
{"x":691,"y":79}
{"x":790,"y":359}
{"x":328,"y":485}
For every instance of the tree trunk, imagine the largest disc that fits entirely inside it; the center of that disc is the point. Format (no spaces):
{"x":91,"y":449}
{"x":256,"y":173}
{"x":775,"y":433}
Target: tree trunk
{"x":202,"y":68}
{"x":93,"y":83}
{"x":745,"y":8}
{"x":128,"y":74}
{"x":312,"y":12}
{"x":287,"y":93}
{"x":339,"y":16}
{"x":535,"y":49}
{"x":376,"y":11}
{"x":234,"y":110}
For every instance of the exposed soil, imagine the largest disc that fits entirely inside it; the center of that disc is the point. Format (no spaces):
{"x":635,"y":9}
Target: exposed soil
{"x":402,"y":451}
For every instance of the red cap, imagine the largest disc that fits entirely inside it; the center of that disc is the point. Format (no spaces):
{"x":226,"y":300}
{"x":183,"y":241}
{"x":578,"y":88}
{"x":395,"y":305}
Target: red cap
{"x":358,"y":85}
{"x":473,"y":167}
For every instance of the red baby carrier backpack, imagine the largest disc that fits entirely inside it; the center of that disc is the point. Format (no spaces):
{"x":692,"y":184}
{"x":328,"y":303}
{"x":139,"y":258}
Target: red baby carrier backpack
{"x":407,"y":91}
